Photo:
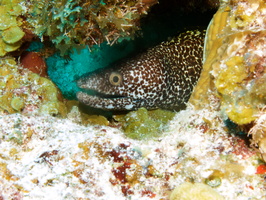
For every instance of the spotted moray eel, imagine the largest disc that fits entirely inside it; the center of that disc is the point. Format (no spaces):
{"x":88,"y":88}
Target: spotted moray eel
{"x":162,"y":77}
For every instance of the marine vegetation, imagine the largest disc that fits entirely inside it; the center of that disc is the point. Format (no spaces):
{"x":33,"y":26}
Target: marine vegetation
{"x":75,"y":23}
{"x":11,"y":32}
{"x":144,"y":124}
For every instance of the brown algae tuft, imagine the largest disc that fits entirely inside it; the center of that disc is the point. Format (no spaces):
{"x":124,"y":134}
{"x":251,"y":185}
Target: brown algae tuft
{"x":72,"y":23}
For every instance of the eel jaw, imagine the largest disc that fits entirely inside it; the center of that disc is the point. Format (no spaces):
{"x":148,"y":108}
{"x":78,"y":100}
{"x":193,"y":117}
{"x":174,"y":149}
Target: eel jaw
{"x":109,"y":102}
{"x":90,"y":96}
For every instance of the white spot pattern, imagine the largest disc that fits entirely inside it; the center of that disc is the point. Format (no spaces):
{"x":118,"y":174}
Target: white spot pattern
{"x":162,"y":77}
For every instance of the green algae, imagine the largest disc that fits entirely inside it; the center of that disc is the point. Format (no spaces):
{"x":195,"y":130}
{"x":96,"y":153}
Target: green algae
{"x":12,"y":35}
{"x":144,"y":124}
{"x":17,"y":103}
{"x":10,"y":22}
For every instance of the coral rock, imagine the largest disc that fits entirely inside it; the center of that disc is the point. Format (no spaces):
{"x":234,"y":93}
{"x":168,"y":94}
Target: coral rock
{"x":235,"y":57}
{"x":233,"y":77}
{"x":258,"y":133}
{"x":27,"y":92}
{"x":188,"y":191}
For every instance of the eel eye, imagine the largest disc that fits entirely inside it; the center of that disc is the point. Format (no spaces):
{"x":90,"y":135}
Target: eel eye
{"x":115,"y":78}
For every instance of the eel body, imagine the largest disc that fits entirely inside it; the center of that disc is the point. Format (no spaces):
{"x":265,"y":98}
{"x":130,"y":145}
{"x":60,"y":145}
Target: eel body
{"x":162,"y":77}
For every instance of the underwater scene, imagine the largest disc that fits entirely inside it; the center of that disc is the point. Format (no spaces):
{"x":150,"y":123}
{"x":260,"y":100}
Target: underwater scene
{"x":132,"y":99}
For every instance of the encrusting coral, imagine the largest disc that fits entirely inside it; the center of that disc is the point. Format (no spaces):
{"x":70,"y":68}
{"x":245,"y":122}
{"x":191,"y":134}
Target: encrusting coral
{"x":27,"y":92}
{"x":233,"y":77}
{"x":188,"y":191}
{"x":234,"y":61}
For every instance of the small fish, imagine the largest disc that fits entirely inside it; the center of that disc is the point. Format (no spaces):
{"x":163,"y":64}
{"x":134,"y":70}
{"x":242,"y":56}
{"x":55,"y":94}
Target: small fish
{"x":162,"y":77}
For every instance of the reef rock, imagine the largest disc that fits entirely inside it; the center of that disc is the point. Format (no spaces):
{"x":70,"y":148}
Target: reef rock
{"x":27,"y":92}
{"x":235,"y":60}
{"x":233,"y":77}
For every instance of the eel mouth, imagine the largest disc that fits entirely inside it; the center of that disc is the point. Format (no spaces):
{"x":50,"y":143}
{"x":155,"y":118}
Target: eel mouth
{"x":93,"y":98}
{"x":107,"y":101}
{"x":104,"y":95}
